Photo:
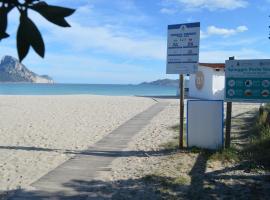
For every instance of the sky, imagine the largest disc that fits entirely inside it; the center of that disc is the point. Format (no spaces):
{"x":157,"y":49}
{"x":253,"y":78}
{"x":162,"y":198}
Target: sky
{"x":124,"y":41}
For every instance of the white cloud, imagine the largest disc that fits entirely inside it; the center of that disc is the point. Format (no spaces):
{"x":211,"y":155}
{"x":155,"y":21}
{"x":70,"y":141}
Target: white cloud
{"x":203,"y":34}
{"x":240,"y":42}
{"x":216,"y":56}
{"x":107,"y":39}
{"x":89,"y":69}
{"x":93,"y":49}
{"x":98,"y":46}
{"x":168,"y":11}
{"x":241,"y":28}
{"x":210,"y":4}
{"x":213,"y":30}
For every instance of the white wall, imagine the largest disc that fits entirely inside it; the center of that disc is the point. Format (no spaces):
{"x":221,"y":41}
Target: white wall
{"x":206,"y":91}
{"x":218,"y":85}
{"x":213,"y":87}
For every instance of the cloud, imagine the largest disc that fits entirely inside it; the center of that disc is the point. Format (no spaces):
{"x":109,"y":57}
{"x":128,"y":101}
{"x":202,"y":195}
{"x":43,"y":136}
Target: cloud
{"x":215,"y":4}
{"x":107,"y":39}
{"x":168,"y":11}
{"x":115,"y":43}
{"x":95,"y":31}
{"x":98,"y":46}
{"x":71,"y":68}
{"x":208,"y":4}
{"x":216,"y":56}
{"x":233,"y":43}
{"x":213,"y":30}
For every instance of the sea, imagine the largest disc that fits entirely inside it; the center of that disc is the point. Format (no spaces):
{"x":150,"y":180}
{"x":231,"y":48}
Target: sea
{"x":84,"y":89}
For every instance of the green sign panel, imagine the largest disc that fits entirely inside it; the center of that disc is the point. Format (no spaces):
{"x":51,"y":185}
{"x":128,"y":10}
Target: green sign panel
{"x":247,"y":80}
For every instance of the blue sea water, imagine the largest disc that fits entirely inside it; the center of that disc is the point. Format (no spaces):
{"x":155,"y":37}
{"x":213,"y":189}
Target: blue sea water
{"x":94,"y":89}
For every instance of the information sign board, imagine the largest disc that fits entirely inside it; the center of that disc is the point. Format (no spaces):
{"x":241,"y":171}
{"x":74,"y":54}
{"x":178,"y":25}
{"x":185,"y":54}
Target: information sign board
{"x":183,"y":48}
{"x":247,"y":80}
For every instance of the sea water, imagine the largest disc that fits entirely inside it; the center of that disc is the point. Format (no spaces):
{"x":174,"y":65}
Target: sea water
{"x":94,"y":89}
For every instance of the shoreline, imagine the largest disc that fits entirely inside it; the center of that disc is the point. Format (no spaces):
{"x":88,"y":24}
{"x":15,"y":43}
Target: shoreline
{"x":85,"y":89}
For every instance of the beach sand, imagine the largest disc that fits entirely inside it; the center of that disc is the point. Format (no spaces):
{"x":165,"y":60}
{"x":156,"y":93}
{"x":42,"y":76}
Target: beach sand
{"x":38,"y":133}
{"x":128,"y":175}
{"x":153,"y":136}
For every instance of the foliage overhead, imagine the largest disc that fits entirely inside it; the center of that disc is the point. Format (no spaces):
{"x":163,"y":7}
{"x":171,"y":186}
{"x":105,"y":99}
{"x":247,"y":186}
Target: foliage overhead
{"x":28,"y":34}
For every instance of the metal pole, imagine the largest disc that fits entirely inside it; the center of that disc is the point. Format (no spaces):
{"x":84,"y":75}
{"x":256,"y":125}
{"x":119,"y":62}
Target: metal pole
{"x":228,"y":125}
{"x":228,"y":121}
{"x":181,"y":128}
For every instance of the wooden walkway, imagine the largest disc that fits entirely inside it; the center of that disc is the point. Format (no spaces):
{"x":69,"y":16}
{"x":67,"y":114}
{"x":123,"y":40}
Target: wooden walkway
{"x":85,"y":166}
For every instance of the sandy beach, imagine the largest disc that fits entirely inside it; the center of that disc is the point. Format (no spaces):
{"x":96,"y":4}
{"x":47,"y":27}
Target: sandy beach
{"x":152,"y":137}
{"x":130,"y":177}
{"x":38,"y":133}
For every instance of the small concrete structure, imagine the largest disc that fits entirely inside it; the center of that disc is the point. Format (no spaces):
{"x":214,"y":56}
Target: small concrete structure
{"x":205,"y":124}
{"x":208,"y":82}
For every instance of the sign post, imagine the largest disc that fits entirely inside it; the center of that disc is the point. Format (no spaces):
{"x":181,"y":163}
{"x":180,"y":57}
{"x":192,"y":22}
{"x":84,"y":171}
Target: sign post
{"x":182,"y":58}
{"x":228,"y":125}
{"x":228,"y":121}
{"x":182,"y":93}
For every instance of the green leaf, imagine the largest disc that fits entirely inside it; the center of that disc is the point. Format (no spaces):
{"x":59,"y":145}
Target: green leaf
{"x":3,"y":35}
{"x":4,"y":21}
{"x":23,"y":42}
{"x":54,"y":14}
{"x":29,"y":35}
{"x":59,"y":21}
{"x":53,"y":10}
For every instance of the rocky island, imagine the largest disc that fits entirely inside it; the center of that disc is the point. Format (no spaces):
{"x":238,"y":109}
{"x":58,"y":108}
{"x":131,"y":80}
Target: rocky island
{"x":12,"y":71}
{"x":163,"y":82}
{"x":166,"y":82}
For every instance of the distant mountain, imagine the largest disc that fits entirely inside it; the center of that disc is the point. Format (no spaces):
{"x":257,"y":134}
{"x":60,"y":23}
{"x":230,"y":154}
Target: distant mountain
{"x":163,"y":82}
{"x":11,"y":70}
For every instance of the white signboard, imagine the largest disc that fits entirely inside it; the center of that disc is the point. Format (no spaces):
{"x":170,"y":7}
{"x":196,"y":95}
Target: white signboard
{"x":205,"y":124}
{"x":247,"y":80}
{"x":183,"y":48}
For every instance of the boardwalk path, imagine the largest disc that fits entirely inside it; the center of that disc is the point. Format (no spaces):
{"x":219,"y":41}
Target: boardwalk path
{"x":86,"y":165}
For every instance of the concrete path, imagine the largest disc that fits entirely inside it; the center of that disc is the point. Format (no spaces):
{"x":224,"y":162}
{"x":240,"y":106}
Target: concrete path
{"x":59,"y":183}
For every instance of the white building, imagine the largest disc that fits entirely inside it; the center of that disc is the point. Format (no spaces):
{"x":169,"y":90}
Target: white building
{"x":208,"y":82}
